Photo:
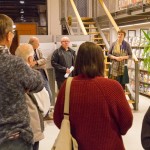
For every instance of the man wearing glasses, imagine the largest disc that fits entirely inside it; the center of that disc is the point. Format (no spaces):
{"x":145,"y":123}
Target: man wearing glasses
{"x":16,"y":78}
{"x":62,"y":60}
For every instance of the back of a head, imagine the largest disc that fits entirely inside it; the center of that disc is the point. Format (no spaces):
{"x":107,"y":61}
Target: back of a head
{"x":34,"y":41}
{"x":90,"y":60}
{"x":24,"y":51}
{"x":6,"y":25}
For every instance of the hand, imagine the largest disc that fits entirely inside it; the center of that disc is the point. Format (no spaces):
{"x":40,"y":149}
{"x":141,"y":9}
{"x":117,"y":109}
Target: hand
{"x":119,"y":58}
{"x":68,"y":71}
{"x":33,"y":63}
{"x":43,"y":66}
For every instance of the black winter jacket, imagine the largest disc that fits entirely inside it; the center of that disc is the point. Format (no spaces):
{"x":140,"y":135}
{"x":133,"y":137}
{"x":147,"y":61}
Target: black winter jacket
{"x":59,"y":63}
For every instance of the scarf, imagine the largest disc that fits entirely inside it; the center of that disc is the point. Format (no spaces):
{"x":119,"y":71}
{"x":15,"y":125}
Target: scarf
{"x":117,"y":68}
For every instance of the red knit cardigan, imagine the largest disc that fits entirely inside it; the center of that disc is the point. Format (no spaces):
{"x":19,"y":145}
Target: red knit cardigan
{"x":99,"y":113}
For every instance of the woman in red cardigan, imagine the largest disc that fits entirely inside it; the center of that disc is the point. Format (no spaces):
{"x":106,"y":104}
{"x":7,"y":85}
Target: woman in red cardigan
{"x":99,"y":111}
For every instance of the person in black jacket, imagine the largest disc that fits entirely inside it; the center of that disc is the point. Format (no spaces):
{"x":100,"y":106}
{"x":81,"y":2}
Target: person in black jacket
{"x":62,"y":59}
{"x":145,"y":133}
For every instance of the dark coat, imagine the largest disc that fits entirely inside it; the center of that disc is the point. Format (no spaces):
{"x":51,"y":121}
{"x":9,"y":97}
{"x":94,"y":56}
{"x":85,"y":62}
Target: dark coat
{"x":59,"y":63}
{"x":145,"y":133}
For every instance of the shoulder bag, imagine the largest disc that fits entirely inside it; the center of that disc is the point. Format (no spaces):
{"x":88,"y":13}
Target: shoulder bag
{"x":64,"y":140}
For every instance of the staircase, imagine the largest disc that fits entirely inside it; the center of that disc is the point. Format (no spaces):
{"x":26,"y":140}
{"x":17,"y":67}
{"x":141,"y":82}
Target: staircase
{"x":92,"y":29}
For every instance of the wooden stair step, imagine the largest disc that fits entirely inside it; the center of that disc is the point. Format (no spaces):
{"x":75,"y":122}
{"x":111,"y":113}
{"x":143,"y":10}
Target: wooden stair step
{"x":99,"y":38}
{"x":93,"y":33}
{"x":127,"y":93}
{"x":102,"y":44}
{"x":105,"y":50}
{"x":107,"y":63}
{"x":89,"y":23}
{"x":86,"y":18}
{"x":131,"y":101}
{"x":90,"y":27}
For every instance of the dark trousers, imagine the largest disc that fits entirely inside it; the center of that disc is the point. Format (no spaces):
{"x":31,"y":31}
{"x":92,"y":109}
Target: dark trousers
{"x":36,"y":146}
{"x":16,"y":144}
{"x":59,"y":83}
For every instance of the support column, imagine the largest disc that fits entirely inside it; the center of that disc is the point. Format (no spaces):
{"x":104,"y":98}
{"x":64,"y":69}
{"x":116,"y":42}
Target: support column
{"x":53,"y":19}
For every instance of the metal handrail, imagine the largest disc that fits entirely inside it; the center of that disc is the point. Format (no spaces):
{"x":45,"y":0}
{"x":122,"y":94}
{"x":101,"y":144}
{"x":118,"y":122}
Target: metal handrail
{"x":136,"y":81}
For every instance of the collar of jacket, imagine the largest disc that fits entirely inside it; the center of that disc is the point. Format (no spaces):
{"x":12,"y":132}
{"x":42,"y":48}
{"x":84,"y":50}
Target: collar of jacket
{"x":65,"y":49}
{"x":4,"y":49}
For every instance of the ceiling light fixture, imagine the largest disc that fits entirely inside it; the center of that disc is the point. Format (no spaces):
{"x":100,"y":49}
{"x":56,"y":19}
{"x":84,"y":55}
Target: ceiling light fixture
{"x":21,"y":11}
{"x":21,"y":2}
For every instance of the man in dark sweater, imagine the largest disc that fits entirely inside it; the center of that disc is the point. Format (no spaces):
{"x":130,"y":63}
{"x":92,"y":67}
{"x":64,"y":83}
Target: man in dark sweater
{"x":62,"y":59}
{"x":16,"y":78}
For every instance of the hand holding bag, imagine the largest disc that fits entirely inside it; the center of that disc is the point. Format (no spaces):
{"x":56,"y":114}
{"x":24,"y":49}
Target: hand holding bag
{"x":64,"y":140}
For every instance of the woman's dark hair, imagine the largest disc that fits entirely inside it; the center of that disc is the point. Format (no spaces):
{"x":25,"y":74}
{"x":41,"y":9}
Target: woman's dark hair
{"x":90,"y":60}
{"x":122,"y":31}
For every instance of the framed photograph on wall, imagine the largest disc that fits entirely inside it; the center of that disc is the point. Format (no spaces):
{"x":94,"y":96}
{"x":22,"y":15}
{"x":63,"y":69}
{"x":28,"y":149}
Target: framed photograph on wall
{"x":131,"y":36}
{"x":131,"y":33}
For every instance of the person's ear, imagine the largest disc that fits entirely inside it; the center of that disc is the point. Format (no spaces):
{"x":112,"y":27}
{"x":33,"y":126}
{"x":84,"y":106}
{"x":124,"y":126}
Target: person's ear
{"x":30,"y":60}
{"x":8,"y":36}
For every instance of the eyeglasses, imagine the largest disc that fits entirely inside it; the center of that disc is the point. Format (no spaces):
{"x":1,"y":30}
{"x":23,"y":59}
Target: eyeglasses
{"x":13,"y":32}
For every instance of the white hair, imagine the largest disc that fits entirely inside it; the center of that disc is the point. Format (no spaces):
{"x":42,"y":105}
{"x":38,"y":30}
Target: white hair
{"x":24,"y":51}
{"x":33,"y":39}
{"x":65,"y":38}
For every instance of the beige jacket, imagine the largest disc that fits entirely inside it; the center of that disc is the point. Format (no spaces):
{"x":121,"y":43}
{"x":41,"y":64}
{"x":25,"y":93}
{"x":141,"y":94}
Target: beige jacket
{"x":41,"y":62}
{"x":36,"y":123}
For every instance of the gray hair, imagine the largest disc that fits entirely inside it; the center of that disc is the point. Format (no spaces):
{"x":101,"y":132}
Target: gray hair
{"x":24,"y":51}
{"x":65,"y":38}
{"x":6,"y":25}
{"x":32,"y":40}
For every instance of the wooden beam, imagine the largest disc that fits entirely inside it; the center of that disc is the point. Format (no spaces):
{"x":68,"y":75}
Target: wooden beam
{"x":78,"y":17}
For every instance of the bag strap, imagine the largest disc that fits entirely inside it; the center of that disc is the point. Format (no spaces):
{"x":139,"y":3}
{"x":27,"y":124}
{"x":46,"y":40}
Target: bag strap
{"x":67,"y":96}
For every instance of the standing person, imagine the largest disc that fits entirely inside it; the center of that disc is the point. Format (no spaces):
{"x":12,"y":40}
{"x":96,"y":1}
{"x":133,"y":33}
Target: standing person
{"x":62,"y":59}
{"x":145,"y":133}
{"x":26,"y":52}
{"x":99,"y":113}
{"x":40,"y":64}
{"x":16,"y":78}
{"x":119,"y":53}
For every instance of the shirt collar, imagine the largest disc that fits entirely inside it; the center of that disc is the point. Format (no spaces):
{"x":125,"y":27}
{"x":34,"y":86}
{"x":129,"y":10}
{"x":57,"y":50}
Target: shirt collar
{"x":4,"y":49}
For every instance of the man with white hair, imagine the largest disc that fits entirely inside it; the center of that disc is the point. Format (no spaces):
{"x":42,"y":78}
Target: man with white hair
{"x":62,"y":60}
{"x":40,"y":63}
{"x":26,"y":52}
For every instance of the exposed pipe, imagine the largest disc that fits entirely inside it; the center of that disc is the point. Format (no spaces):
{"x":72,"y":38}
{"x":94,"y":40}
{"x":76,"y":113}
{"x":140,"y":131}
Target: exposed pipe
{"x":78,"y":17}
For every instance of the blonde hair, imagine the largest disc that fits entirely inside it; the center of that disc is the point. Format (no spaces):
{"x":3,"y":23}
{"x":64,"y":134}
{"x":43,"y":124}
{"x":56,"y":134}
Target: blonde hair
{"x":24,"y":51}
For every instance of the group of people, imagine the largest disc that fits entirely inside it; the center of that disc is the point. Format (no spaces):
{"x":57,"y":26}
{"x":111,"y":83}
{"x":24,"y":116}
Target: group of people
{"x":99,"y":113}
